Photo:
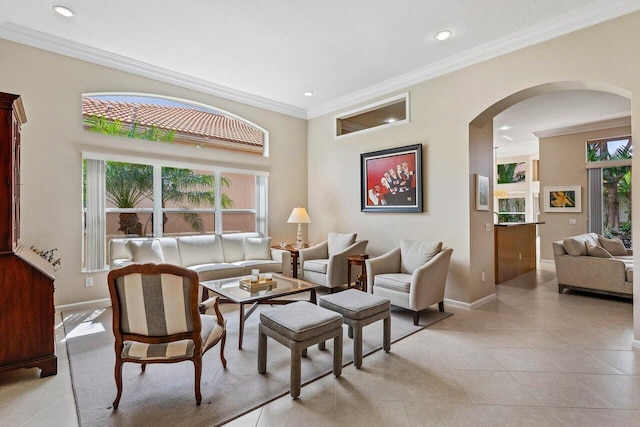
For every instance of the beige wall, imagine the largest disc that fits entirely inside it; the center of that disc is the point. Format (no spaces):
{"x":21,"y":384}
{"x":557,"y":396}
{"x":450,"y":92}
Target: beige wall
{"x":51,"y":86}
{"x":442,"y":109}
{"x":562,"y":162}
{"x":441,"y":112}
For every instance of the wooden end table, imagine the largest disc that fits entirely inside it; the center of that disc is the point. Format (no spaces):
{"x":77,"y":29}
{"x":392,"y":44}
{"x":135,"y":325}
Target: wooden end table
{"x":295,"y":253}
{"x":357,"y":260}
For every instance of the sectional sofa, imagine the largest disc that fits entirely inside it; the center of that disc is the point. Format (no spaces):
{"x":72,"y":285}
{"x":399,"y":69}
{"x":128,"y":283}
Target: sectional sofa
{"x":591,"y":262}
{"x":212,"y":256}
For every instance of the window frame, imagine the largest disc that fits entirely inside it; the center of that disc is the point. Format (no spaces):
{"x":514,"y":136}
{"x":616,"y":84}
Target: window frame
{"x":260,"y":211}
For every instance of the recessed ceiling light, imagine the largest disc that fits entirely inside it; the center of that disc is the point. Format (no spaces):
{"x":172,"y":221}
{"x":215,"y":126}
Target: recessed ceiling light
{"x":391,"y":120}
{"x":442,"y":35}
{"x":508,"y":138}
{"x":506,"y":127}
{"x":64,"y":11}
{"x":308,"y":93}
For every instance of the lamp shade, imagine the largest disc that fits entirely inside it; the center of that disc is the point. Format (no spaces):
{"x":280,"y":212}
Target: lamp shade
{"x":299,"y":215}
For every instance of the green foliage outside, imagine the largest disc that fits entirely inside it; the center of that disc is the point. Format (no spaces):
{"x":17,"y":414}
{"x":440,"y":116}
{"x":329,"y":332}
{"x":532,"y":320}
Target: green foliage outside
{"x":616,"y":187}
{"x":127,"y":184}
{"x":116,"y":127}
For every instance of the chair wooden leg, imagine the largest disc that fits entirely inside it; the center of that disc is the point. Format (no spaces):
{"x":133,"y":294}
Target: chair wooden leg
{"x":441,"y":306}
{"x":143,"y":367}
{"x":416,"y":317}
{"x":118,"y":375}
{"x":197,"y":363}
{"x":222,"y":343}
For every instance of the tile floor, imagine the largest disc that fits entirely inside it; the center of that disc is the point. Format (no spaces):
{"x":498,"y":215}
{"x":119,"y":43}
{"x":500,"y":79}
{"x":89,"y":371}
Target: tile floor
{"x":533,"y":357}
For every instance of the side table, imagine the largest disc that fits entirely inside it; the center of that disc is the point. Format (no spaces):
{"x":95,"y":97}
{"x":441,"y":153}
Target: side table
{"x":294,"y":257}
{"x":359,"y":261}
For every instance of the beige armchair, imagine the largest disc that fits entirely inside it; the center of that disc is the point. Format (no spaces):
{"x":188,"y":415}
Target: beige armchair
{"x":326,"y":263}
{"x":412,"y":276}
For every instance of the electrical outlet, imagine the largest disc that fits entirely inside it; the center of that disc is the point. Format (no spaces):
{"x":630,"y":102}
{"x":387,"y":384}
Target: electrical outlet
{"x":487,"y":227}
{"x":572,"y":221}
{"x":88,"y":282}
{"x":484,"y":276}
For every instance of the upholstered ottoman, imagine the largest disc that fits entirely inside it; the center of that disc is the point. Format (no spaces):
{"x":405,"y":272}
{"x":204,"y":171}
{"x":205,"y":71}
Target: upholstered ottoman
{"x":360,"y":309}
{"x":300,"y":325}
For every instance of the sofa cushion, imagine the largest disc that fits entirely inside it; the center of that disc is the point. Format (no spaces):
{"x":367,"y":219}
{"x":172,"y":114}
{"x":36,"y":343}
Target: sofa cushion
{"x":398,"y":282}
{"x":257,"y":248}
{"x":233,"y":246}
{"x":264,"y":265}
{"x":216,"y":271}
{"x":200,"y":249}
{"x":339,"y":242}
{"x":317,"y":265}
{"x":143,"y":251}
{"x":629,"y":273}
{"x":614,"y":246}
{"x":414,"y":254}
{"x":597,"y":251}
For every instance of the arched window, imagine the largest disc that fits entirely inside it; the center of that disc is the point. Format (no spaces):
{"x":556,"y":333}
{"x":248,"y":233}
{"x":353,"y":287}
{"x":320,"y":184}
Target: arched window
{"x":168,"y":120}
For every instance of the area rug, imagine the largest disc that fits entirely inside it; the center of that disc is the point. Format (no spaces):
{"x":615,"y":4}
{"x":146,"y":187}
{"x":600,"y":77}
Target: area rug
{"x":164,"y":394}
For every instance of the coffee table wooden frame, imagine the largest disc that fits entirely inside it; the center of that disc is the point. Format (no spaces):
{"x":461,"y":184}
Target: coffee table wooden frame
{"x":257,"y":298}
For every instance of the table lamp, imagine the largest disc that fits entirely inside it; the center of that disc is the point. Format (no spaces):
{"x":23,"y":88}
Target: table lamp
{"x":299,"y":215}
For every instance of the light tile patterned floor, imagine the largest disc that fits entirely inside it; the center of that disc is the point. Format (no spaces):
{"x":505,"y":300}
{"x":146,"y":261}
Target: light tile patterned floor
{"x":531,"y":358}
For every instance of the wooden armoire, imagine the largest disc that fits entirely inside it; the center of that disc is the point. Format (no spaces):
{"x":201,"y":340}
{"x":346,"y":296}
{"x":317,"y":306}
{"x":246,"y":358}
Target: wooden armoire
{"x":27,"y":313}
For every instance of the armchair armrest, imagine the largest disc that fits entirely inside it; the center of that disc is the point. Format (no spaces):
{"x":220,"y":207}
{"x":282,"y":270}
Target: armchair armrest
{"x":337,"y":267}
{"x":428,"y":281}
{"x":319,"y":251}
{"x":383,"y":264}
{"x":209,"y":304}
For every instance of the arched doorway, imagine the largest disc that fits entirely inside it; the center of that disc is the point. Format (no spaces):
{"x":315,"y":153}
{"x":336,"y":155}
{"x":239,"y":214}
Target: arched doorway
{"x":481,"y":157}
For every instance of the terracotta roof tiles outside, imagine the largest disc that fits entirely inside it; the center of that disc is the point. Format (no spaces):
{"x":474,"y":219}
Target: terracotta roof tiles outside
{"x":181,"y":120}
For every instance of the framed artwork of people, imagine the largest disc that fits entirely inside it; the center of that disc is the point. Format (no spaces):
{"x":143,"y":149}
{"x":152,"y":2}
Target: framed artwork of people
{"x":391,"y":180}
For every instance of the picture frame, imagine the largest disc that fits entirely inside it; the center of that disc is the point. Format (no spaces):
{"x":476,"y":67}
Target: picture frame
{"x":511,"y":173}
{"x":391,"y":180}
{"x":482,"y":192}
{"x":563,"y":199}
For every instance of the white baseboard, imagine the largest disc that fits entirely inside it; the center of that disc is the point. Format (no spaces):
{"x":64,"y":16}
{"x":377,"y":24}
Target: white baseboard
{"x":546,"y":261}
{"x":472,"y":305}
{"x":87,"y":305}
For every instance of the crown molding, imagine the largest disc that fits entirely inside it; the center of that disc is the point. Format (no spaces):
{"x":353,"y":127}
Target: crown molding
{"x":33,"y":38}
{"x":585,"y":127}
{"x":585,"y":17}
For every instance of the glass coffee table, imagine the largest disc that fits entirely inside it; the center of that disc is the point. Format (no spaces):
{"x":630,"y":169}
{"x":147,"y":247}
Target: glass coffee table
{"x":230,"y":290}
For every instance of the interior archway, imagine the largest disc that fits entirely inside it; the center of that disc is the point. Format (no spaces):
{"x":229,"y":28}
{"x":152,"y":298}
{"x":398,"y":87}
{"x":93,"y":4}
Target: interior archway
{"x":481,"y":156}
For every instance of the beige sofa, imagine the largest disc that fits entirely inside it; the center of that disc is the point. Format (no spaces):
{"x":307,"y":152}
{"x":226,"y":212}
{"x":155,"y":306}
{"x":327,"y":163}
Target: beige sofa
{"x":590,"y":262}
{"x":212,"y":256}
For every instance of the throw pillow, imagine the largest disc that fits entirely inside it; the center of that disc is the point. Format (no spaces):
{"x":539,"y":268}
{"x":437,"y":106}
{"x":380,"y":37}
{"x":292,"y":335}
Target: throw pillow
{"x":144,"y":251}
{"x":598,"y":251}
{"x":200,"y":249}
{"x":575,"y":246}
{"x":257,"y":248}
{"x":614,"y":246}
{"x":339,"y":242}
{"x":414,"y":254}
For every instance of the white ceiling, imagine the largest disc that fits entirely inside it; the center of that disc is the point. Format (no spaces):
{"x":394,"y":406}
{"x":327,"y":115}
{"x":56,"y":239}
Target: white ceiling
{"x":554,"y":112}
{"x":268,"y":53}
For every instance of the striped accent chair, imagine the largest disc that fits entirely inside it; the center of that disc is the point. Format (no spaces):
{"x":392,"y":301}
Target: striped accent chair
{"x":157,"y":319}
